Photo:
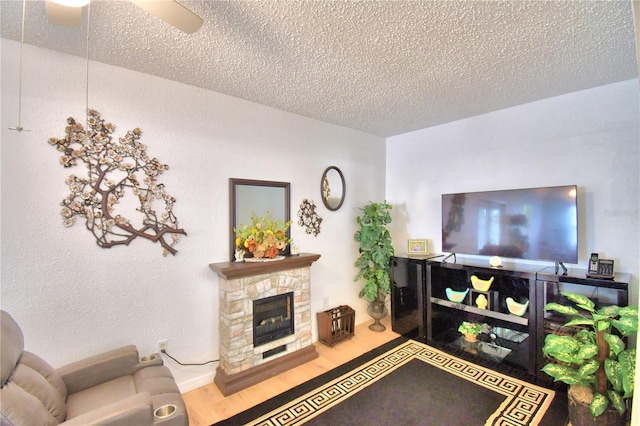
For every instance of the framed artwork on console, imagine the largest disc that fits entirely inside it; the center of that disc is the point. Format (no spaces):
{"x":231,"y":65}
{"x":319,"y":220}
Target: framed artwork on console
{"x":418,"y":247}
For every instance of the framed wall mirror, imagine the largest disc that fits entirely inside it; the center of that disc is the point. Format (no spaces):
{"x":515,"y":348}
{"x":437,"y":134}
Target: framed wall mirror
{"x":332,"y":188}
{"x":247,"y":197}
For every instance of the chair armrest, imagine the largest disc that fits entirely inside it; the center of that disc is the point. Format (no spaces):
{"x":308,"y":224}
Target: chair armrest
{"x":89,"y":372}
{"x":135,"y":410}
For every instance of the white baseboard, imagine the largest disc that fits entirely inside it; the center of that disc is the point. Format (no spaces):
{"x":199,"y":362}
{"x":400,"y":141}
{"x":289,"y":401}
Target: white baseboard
{"x":196,"y":382}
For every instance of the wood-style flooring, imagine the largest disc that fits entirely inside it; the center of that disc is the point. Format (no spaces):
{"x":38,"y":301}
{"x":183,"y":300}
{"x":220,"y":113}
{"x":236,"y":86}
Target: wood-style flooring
{"x":207,"y":405}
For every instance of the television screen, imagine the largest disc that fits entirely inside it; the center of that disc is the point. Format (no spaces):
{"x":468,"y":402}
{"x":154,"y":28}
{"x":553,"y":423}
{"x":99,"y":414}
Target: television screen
{"x":533,"y":223}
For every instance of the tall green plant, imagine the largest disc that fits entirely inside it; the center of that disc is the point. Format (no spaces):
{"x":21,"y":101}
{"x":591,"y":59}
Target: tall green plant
{"x":593,"y":356}
{"x":375,"y":250}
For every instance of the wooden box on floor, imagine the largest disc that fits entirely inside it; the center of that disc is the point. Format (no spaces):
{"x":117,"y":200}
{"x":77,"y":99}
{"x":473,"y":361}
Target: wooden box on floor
{"x":336,"y":324}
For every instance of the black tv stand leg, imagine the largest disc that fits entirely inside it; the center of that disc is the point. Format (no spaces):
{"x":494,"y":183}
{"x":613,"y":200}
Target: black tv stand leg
{"x":564,"y":268}
{"x":448,"y":256}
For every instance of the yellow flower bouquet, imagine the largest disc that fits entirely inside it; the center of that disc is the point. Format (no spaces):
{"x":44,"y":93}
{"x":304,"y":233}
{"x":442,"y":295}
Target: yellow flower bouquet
{"x":265,"y":237}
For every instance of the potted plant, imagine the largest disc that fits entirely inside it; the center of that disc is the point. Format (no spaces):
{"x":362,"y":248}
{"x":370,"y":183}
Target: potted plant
{"x":374,"y":263}
{"x":593,"y":360}
{"x":470,"y":330}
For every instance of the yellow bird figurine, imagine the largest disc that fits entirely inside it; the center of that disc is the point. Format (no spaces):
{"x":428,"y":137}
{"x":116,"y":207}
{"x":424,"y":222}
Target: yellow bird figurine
{"x":481,"y":285}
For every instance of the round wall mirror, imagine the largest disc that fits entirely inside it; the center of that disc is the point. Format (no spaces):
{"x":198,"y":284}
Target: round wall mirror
{"x":332,"y":188}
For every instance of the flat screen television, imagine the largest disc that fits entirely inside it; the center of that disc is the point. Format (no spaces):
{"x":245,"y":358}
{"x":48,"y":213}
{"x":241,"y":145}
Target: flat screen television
{"x":532,"y":223}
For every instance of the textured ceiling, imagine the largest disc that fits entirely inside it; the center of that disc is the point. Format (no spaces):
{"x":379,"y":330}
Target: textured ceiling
{"x":383,"y":67}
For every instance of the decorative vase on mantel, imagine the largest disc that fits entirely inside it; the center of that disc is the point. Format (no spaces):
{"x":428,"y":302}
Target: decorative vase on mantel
{"x":239,"y":255}
{"x":377,"y":310}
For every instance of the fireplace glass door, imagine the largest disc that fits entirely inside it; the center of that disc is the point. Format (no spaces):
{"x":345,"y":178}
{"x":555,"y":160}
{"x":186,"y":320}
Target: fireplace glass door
{"x":272,"y":318}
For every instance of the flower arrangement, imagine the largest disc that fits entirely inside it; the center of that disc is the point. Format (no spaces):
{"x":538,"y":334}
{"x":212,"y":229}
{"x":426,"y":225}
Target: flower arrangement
{"x":265,"y":237}
{"x":470,"y":328}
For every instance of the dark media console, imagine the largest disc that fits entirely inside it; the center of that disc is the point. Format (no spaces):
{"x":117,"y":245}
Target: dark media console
{"x":421,"y":306}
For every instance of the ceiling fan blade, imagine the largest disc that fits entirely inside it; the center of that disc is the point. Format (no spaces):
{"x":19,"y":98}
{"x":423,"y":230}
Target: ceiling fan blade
{"x":58,"y":14}
{"x":173,"y":13}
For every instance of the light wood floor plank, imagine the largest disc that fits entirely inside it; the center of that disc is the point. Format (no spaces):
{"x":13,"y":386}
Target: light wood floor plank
{"x":207,"y":405}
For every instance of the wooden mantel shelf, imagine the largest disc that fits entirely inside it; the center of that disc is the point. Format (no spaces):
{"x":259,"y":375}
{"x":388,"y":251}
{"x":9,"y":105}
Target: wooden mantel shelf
{"x":233,"y":270}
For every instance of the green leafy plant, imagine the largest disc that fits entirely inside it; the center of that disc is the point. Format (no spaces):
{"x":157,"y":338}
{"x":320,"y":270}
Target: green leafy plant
{"x":375,"y":251}
{"x":593,"y":356}
{"x":470,"y":328}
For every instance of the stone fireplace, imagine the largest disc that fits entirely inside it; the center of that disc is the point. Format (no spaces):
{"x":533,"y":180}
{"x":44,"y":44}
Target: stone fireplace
{"x":282,"y":291}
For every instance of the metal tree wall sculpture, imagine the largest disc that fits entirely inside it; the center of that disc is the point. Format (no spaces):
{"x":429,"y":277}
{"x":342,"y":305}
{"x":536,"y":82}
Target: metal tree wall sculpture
{"x":113,"y":172}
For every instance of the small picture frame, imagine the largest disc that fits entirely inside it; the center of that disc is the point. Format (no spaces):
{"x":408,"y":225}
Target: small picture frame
{"x":418,"y":247}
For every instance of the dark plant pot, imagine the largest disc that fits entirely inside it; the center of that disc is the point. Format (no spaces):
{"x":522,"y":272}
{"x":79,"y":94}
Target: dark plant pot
{"x":579,"y":413}
{"x":377,"y":310}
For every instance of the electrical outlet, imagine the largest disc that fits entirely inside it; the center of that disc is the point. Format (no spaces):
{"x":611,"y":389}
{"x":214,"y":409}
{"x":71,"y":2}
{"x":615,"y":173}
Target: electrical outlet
{"x":162,"y":345}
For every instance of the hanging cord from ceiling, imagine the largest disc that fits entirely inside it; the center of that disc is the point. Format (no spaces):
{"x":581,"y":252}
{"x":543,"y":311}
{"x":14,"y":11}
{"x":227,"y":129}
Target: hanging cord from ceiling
{"x":19,"y":127}
{"x":86,"y":93}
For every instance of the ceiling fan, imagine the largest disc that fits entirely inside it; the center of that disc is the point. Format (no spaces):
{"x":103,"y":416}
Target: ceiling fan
{"x":69,"y":13}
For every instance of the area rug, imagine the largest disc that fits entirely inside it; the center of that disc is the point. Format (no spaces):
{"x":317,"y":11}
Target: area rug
{"x":410,"y":383}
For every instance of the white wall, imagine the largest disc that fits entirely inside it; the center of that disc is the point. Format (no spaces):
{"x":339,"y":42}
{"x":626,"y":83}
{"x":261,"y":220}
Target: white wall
{"x":73,"y":298}
{"x":588,"y":138}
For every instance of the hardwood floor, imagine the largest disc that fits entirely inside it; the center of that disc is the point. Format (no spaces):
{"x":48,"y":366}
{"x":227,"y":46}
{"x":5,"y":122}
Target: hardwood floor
{"x":207,"y":405}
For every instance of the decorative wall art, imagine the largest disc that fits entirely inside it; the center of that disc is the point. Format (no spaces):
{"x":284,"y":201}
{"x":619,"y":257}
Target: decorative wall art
{"x":308,"y":218}
{"x":115,"y":168}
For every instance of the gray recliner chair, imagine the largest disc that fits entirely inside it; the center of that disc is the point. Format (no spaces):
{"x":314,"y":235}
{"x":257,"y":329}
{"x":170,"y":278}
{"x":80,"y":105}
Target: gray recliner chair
{"x":112,"y":388}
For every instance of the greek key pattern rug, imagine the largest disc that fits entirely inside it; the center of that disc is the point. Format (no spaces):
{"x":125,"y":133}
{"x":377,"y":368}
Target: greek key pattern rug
{"x":524,"y":403}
